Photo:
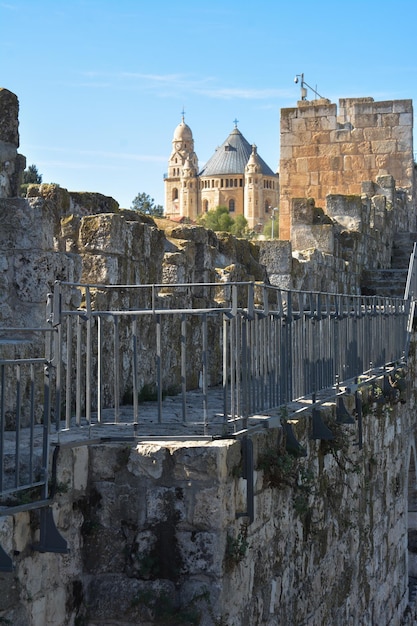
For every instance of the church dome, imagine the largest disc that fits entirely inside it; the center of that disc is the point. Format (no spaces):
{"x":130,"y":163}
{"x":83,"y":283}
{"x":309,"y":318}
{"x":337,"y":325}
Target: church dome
{"x":183,"y":132}
{"x":232,"y":156}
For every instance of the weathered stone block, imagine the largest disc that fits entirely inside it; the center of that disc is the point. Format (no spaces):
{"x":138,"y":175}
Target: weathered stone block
{"x":87,"y":203}
{"x":308,"y":150}
{"x":35,"y":272}
{"x":302,"y":211}
{"x":100,"y":269}
{"x":321,"y":237}
{"x":213,"y":508}
{"x":287,"y":152}
{"x":276,"y":256}
{"x":148,"y":460}
{"x":388,"y":146}
{"x":107,"y":233}
{"x":202,"y":552}
{"x":302,"y":165}
{"x":9,"y":119}
{"x":337,"y":205}
{"x":380,"y":133}
{"x":165,"y":504}
{"x":332,"y":150}
{"x":365,"y":120}
{"x":320,"y":137}
{"x":203,"y":462}
{"x":390,"y":120}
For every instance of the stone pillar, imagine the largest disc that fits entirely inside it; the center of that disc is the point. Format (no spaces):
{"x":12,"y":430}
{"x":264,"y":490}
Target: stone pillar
{"x":12,"y":164}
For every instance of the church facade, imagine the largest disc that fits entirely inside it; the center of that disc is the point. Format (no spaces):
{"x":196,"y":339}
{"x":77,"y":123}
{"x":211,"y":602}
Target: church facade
{"x":235,"y":177}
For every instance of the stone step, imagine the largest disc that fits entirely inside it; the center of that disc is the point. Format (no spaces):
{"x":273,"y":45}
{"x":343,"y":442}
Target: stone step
{"x":402,"y":248}
{"x":386,"y":282}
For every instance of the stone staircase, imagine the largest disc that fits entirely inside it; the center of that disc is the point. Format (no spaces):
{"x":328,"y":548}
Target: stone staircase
{"x":391,"y":282}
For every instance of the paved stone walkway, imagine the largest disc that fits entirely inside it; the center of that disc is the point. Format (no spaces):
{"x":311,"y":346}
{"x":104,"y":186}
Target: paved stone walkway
{"x":171,"y":424}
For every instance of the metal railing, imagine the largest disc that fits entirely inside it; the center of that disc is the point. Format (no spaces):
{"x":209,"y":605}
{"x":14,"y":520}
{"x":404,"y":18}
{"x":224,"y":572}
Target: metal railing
{"x":411,"y":284}
{"x":265,"y":346}
{"x":20,"y":467}
{"x":261,"y":346}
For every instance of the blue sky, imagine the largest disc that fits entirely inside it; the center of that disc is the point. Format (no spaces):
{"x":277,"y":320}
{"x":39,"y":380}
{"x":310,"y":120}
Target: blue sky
{"x":102,"y":83}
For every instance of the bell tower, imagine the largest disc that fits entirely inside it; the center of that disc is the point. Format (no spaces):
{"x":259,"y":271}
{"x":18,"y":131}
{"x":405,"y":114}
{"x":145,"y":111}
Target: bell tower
{"x":253,"y":188}
{"x":181,"y":186}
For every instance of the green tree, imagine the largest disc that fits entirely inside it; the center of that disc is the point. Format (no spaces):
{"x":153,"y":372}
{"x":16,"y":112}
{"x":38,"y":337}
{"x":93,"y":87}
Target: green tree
{"x":145,"y":204}
{"x":217,"y":219}
{"x":30,"y":176}
{"x":267,"y":229}
{"x":239,"y":226}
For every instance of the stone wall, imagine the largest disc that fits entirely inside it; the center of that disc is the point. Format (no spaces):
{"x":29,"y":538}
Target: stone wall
{"x":54,"y":235}
{"x":326,"y":151}
{"x":331,"y":247}
{"x":12,"y":164}
{"x":156,"y":536}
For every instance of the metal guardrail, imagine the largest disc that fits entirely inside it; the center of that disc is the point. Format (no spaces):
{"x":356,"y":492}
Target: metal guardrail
{"x":28,"y":470}
{"x":411,"y":284}
{"x":262,"y":346}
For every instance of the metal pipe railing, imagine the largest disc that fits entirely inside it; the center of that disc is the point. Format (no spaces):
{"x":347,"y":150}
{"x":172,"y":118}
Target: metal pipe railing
{"x":280,"y":346}
{"x":263,"y":346}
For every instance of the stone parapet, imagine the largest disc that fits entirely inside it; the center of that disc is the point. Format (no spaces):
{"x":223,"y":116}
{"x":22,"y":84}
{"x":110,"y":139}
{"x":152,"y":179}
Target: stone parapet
{"x":330,"y":152}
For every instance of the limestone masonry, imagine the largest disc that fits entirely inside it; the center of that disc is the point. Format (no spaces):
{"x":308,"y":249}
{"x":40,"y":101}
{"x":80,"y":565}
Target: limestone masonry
{"x":329,"y":151}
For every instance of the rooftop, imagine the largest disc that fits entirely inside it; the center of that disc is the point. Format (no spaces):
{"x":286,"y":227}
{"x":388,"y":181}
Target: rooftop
{"x":232,"y":157}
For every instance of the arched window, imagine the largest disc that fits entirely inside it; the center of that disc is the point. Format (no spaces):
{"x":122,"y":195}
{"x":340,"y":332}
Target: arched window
{"x":205,"y":206}
{"x":231,"y":206}
{"x":175,"y":194}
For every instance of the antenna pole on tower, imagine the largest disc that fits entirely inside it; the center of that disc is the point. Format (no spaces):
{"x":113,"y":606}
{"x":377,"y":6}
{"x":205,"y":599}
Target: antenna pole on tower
{"x":303,"y":87}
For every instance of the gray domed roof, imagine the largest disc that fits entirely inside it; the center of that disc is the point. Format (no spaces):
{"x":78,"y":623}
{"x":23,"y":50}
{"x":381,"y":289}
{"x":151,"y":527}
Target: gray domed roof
{"x":232,"y":157}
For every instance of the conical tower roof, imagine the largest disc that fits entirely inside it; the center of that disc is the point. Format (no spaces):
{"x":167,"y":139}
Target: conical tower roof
{"x":232,"y":156}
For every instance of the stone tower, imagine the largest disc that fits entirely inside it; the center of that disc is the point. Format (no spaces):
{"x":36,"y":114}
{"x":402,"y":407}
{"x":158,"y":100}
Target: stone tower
{"x":254,"y":189}
{"x":325,"y":151}
{"x":181,"y":187}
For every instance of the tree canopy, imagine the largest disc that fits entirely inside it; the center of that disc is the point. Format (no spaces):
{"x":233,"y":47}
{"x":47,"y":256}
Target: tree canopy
{"x":219,"y":219}
{"x":30,"y":176}
{"x":145,"y":204}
